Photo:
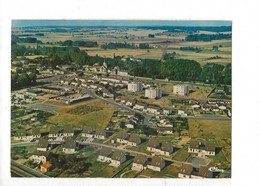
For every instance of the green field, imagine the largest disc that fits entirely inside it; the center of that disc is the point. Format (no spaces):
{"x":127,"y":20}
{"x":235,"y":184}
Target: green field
{"x":93,"y":119}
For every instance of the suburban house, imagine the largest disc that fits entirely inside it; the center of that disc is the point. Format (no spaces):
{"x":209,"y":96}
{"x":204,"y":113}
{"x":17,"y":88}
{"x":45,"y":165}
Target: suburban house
{"x":43,"y":145}
{"x":36,"y":133}
{"x":134,"y":140}
{"x":46,"y":166}
{"x":153,"y":109}
{"x":188,"y":171}
{"x":129,"y":125}
{"x":157,"y":164}
{"x":70,"y":146}
{"x":54,"y":132}
{"x":21,"y":135}
{"x":118,"y":157}
{"x":68,"y":131}
{"x":39,"y":156}
{"x":100,"y":133}
{"x":165,"y":130}
{"x":139,"y":162}
{"x":87,"y":132}
{"x":153,"y":145}
{"x":122,"y":137}
{"x":167,"y":111}
{"x":183,"y":112}
{"x":105,"y":155}
{"x":202,"y":148}
{"x":123,"y":100}
{"x":166,"y":148}
{"x":139,"y":106}
{"x":130,"y":102}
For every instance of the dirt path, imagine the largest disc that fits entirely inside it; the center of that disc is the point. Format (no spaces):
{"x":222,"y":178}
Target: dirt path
{"x":124,"y":173}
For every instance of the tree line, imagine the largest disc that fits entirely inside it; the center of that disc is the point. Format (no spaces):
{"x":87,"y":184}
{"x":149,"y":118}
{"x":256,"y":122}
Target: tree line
{"x":207,"y":37}
{"x":79,"y":43}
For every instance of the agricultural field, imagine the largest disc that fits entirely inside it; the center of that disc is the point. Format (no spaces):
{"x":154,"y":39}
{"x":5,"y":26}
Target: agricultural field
{"x":94,"y":119}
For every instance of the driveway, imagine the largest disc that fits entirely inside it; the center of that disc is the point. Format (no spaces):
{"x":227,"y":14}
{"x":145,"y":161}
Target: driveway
{"x":197,"y":161}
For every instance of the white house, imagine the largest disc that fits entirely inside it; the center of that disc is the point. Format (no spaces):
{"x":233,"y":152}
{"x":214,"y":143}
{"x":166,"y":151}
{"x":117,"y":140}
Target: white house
{"x":105,"y":155}
{"x":122,"y":137}
{"x":43,"y":145}
{"x":118,"y":157}
{"x":100,"y":133}
{"x":87,"y":132}
{"x":139,"y":162}
{"x":70,"y":146}
{"x":202,"y":148}
{"x":157,"y":164}
{"x":54,"y":132}
{"x":153,"y":145}
{"x":39,"y":157}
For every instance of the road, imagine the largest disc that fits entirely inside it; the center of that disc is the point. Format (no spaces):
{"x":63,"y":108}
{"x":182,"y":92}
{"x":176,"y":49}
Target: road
{"x":26,"y":169}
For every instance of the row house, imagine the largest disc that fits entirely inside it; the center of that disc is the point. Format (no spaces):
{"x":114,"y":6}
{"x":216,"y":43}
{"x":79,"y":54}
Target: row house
{"x":132,"y":140}
{"x":54,"y":132}
{"x":87,"y":132}
{"x":39,"y":156}
{"x":157,"y":164}
{"x":68,"y":131}
{"x":70,"y":146}
{"x":43,"y":145}
{"x":188,"y":171}
{"x":163,"y":149}
{"x":139,"y":106}
{"x":202,"y":148}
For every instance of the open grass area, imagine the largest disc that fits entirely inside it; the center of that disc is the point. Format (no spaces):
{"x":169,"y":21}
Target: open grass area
{"x":181,"y":154}
{"x":94,"y":119}
{"x":210,"y":128}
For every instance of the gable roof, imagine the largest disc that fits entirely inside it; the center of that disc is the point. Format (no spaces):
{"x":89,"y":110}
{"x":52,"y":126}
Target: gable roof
{"x":156,"y":161}
{"x":21,"y":132}
{"x":134,"y":138}
{"x":123,"y":135}
{"x":153,"y":143}
{"x":140,"y":159}
{"x":117,"y":155}
{"x":204,"y":172}
{"x":166,"y":147}
{"x":70,"y":144}
{"x":100,"y":131}
{"x":105,"y":151}
{"x":46,"y":165}
{"x":186,"y":168}
{"x":68,"y":129}
{"x":87,"y":129}
{"x":41,"y":153}
{"x":54,"y":130}
{"x":209,"y":146}
{"x":36,"y":131}
{"x":43,"y":143}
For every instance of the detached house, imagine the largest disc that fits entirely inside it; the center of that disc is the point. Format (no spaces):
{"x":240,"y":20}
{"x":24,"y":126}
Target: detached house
{"x":157,"y":164}
{"x":153,"y":145}
{"x":130,"y":102}
{"x":100,"y":133}
{"x":188,"y":171}
{"x":70,"y":146}
{"x":43,"y":145}
{"x":117,"y":158}
{"x":87,"y":132}
{"x":36,"y":133}
{"x":54,"y":132}
{"x":139,"y":162}
{"x":105,"y":155}
{"x":134,"y":140}
{"x":21,"y":135}
{"x":46,"y":166}
{"x":166,"y":148}
{"x":39,"y":156}
{"x":139,"y":106}
{"x":122,"y":137}
{"x":68,"y":131}
{"x":202,"y":148}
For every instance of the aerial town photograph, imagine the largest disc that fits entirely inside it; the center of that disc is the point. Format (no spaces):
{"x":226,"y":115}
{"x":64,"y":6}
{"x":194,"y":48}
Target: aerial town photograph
{"x":94,"y":100}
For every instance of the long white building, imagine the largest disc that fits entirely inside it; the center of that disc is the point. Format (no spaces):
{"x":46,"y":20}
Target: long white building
{"x":181,"y":90}
{"x":135,"y":86}
{"x":153,"y":92}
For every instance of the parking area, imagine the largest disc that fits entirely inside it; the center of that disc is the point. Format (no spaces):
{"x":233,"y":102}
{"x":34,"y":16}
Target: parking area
{"x":43,"y":106}
{"x":197,"y":161}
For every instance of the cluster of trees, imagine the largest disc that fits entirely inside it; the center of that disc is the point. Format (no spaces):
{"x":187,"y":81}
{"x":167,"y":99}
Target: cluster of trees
{"x":151,"y":35}
{"x":197,"y":50}
{"x":16,"y":39}
{"x":79,"y":43}
{"x":182,"y":70}
{"x":207,"y":37}
{"x":118,"y":45}
{"x":22,"y":80}
{"x":144,"y":46}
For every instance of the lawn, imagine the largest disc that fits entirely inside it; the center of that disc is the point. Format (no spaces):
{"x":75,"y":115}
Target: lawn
{"x":181,"y":154}
{"x":210,"y":128}
{"x":96,"y":119}
{"x":170,"y":171}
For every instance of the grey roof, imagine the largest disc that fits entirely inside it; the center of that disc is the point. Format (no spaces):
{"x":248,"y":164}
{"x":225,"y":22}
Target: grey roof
{"x":54,"y":130}
{"x":204,"y":172}
{"x":153,"y":143}
{"x":70,"y":144}
{"x":87,"y":129}
{"x":43,"y":143}
{"x":117,"y":155}
{"x":156,"y":161}
{"x":105,"y":151}
{"x":166,"y":147}
{"x":123,"y":135}
{"x":36,"y":131}
{"x":21,"y":132}
{"x":140,"y":159}
{"x":41,"y":153}
{"x":68,"y":129}
{"x":100,"y":131}
{"x":134,"y":138}
{"x":209,"y":146}
{"x":186,"y":168}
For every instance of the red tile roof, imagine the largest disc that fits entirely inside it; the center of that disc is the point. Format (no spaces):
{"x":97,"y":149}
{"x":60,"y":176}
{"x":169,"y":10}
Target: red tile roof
{"x":46,"y":165}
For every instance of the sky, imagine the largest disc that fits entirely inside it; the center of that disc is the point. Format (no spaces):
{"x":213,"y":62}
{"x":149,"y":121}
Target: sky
{"x":31,"y":23}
